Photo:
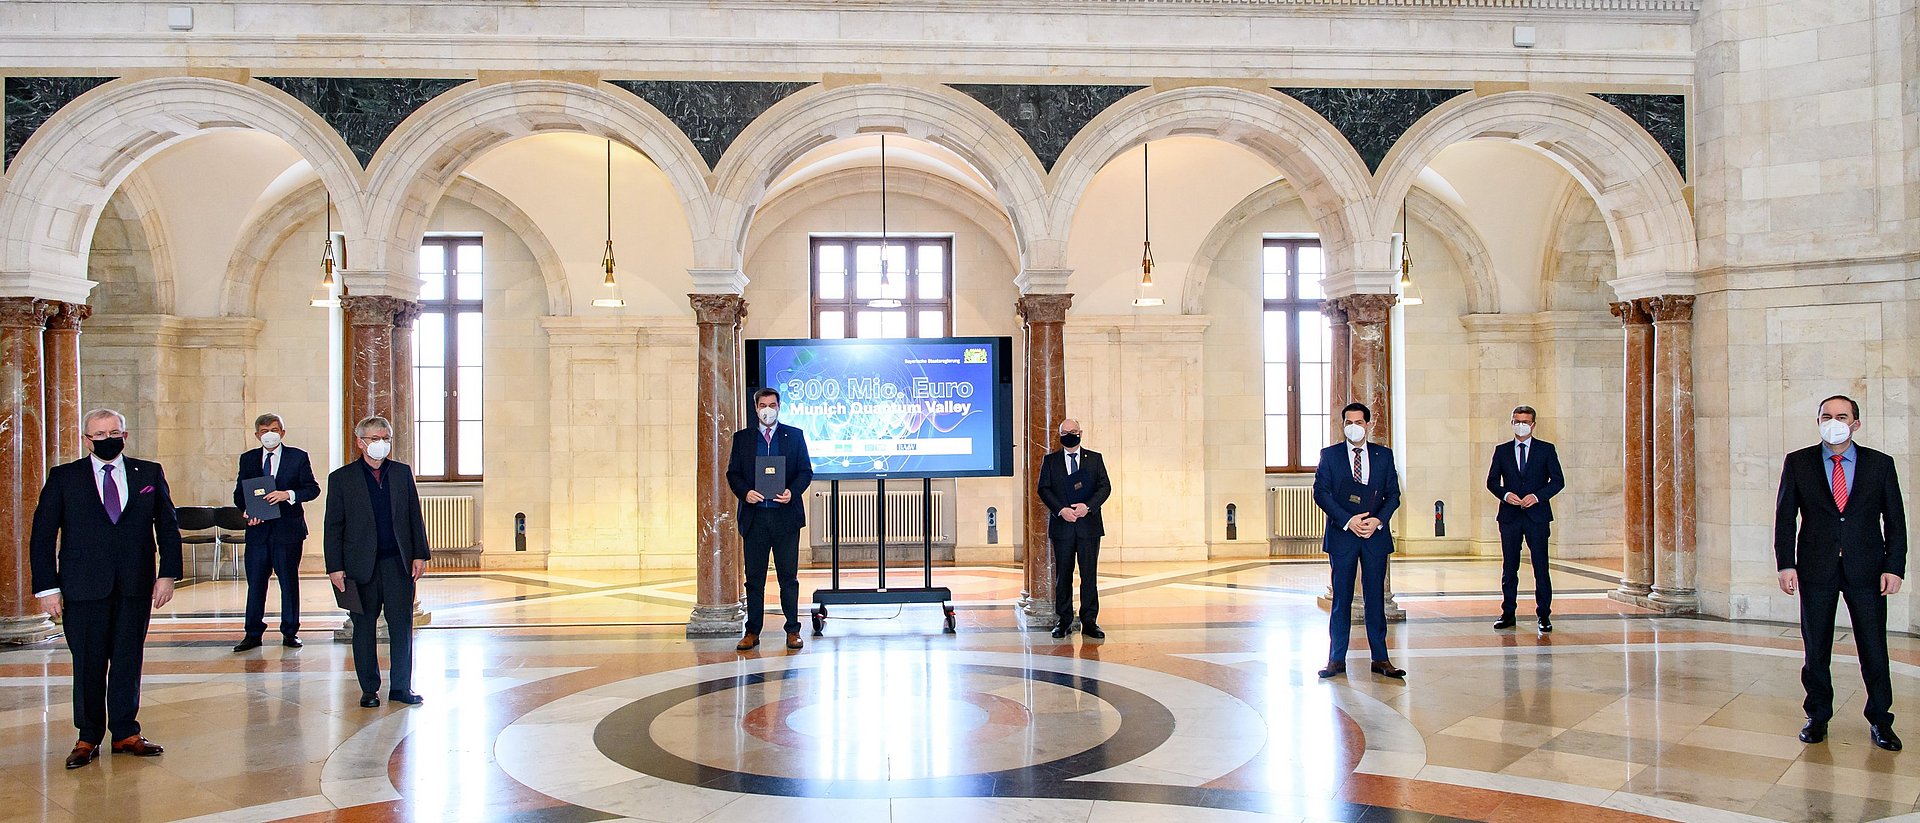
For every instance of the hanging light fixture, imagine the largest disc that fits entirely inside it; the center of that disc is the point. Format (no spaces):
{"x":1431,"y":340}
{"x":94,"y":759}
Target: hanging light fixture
{"x":324,"y":297}
{"x":882,"y":301}
{"x":1408,"y":295}
{"x":611,"y":299}
{"x":1146,"y":244}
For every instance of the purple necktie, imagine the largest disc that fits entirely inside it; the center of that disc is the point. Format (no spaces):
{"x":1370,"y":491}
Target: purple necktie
{"x":110,"y":494}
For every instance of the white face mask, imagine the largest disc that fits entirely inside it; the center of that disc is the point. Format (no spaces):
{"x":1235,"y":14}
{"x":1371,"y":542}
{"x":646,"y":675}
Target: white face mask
{"x":1356,"y":433}
{"x":271,"y":440}
{"x":1835,"y":432}
{"x":379,"y":449}
{"x":768,"y":415}
{"x":1522,"y":429}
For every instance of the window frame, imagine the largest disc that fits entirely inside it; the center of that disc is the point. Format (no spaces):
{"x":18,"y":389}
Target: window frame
{"x":849,"y":304}
{"x":450,"y":306}
{"x":1293,"y":306}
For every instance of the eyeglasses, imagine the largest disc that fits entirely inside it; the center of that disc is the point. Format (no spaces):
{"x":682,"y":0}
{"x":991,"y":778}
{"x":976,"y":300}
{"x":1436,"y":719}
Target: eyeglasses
{"x":106,"y":435}
{"x":385,"y":438}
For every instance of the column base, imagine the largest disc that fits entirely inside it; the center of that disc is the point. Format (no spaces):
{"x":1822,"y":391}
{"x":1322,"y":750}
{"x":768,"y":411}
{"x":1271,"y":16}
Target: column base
{"x":718,"y":621}
{"x":33,"y":628}
{"x":1629,"y":590}
{"x":1395,"y":614}
{"x":1666,"y":601}
{"x":1038,"y":614}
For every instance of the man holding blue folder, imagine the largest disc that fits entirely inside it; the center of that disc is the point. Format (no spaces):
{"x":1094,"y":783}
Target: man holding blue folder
{"x":769,"y":471}
{"x":1358,"y":487}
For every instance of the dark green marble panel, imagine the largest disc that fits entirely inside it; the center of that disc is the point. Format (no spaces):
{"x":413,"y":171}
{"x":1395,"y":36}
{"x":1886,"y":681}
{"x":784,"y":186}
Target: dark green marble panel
{"x":712,"y":113}
{"x":364,"y":110}
{"x":1372,"y":119}
{"x":1664,"y":116}
{"x":1047,"y":117}
{"x":31,"y":101}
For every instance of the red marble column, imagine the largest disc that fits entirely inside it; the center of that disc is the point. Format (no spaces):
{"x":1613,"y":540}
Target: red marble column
{"x":1636,"y":578}
{"x":1044,"y":318}
{"x":1674,"y":564}
{"x":23,"y":463}
{"x":370,"y":357}
{"x":404,"y":444}
{"x":62,"y":343}
{"x":720,"y":608}
{"x":1340,"y":353}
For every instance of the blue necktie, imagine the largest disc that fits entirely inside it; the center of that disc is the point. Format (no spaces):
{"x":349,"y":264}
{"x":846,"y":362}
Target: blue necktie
{"x":1523,"y":458}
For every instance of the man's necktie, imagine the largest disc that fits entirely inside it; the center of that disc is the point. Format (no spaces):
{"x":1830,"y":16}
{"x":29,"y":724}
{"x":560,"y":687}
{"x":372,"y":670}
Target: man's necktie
{"x":270,"y":464}
{"x":1839,"y":483}
{"x":1523,"y":458}
{"x":110,"y":494}
{"x":1356,"y":464}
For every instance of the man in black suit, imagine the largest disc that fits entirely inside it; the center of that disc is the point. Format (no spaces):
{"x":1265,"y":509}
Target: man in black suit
{"x":274,"y":546}
{"x":1358,"y":487}
{"x":376,"y":537}
{"x":770,"y":526}
{"x":1851,"y":542}
{"x":1525,"y":476}
{"x":99,"y":525}
{"x":1073,"y":484}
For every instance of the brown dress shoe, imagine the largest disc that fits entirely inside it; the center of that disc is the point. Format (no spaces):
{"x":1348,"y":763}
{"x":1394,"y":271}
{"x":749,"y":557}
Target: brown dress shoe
{"x":1387,"y":669}
{"x":794,"y":642}
{"x":82,"y":754}
{"x":1334,"y":668}
{"x":137,"y":746}
{"x":748,"y":643}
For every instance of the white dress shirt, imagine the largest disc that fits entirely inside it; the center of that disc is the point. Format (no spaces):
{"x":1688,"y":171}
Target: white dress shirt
{"x":270,"y":464}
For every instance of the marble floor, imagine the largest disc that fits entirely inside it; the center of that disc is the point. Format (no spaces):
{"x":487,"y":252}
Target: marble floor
{"x":577,"y":697}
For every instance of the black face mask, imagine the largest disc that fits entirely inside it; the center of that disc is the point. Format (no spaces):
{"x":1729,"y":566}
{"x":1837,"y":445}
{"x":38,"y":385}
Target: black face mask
{"x":1070,"y":440}
{"x":108,"y":448}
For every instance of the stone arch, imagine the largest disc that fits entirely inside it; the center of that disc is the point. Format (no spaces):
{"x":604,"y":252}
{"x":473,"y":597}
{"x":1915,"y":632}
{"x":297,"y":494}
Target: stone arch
{"x":67,"y":170}
{"x":262,"y":238}
{"x":1622,"y":168}
{"x":138,"y":205}
{"x":910,"y":182}
{"x":1323,"y":168}
{"x":810,"y":119}
{"x":428,"y":151}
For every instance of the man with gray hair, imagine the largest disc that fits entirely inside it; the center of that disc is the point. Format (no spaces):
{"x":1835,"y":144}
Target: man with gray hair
{"x":101,"y":522}
{"x":274,"y":545}
{"x":376,"y":539}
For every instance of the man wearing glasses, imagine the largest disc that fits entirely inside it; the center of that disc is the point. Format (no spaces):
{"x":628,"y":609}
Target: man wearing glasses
{"x":100,"y":523}
{"x":376,"y":539}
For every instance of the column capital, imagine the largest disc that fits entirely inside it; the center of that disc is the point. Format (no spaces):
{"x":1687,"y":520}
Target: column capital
{"x":718,"y":309}
{"x":1671,"y":308}
{"x":408,"y":312}
{"x":1043,"y":308}
{"x":1365,"y":308}
{"x":376,"y":309}
{"x":1632,"y":312}
{"x":1359,"y":281}
{"x":24,"y":312}
{"x":729,"y":280}
{"x":1042,"y":281}
{"x":67,"y":316}
{"x":380,"y":283}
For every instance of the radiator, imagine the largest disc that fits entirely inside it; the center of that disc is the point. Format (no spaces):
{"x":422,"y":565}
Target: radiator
{"x":449,"y":521}
{"x":905,"y":521}
{"x":1295,"y":523}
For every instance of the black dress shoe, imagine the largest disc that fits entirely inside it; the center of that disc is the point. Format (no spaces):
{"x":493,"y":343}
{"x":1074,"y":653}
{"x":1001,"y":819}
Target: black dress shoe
{"x":409,"y":698}
{"x":248,"y":644}
{"x":1505,"y":622}
{"x":1884,"y":737}
{"x":1093,"y":631}
{"x":1546,"y":625}
{"x":1059,"y":631}
{"x":1334,"y":668}
{"x":1814,"y":732}
{"x":1387,"y":669}
{"x":369,"y":700}
{"x":292,"y":642}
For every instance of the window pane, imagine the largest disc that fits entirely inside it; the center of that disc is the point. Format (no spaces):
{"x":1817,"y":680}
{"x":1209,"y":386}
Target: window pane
{"x":866,"y":324}
{"x":466,"y":258}
{"x":470,"y":444}
{"x":1276,"y":383}
{"x":893,"y":324}
{"x":1275,"y":267}
{"x":1313,"y":393}
{"x":933,"y":324}
{"x":1314,"y":337}
{"x":433,"y":258}
{"x":1313,"y":435}
{"x":833,"y":285}
{"x":833,"y":257}
{"x":430,"y":394}
{"x":933,"y":271}
{"x":466,"y":285}
{"x":1275,"y":334}
{"x":433,"y":286}
{"x":470,"y":345}
{"x":1276,"y":440}
{"x":431,"y":451}
{"x":469,"y":393}
{"x":833,"y":325}
{"x":1312,"y":268}
{"x":430,"y":331}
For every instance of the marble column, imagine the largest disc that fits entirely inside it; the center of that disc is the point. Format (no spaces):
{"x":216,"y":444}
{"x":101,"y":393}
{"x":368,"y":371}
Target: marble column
{"x":404,"y":444}
{"x":1368,"y":380}
{"x":23,"y":463}
{"x":62,"y":360}
{"x":1340,"y":370}
{"x":1044,"y":320}
{"x":719,"y":568}
{"x":1636,"y":577}
{"x":1674,"y":562}
{"x":370,"y":356}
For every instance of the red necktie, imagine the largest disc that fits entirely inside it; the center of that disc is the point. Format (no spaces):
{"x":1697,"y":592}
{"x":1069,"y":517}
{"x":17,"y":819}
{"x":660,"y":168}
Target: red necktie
{"x":1839,"y":484}
{"x":1356,"y":464}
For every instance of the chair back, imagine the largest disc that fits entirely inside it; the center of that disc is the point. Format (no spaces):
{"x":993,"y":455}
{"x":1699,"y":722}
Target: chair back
{"x":230,"y":518}
{"x":195,"y":518}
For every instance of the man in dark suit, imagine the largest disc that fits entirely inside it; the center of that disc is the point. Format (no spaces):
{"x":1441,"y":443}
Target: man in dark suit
{"x":1525,"y":476}
{"x":770,"y":526}
{"x":376,"y":537}
{"x":1851,"y":542}
{"x":1358,"y":487}
{"x":100,"y":523}
{"x":1073,"y":484}
{"x":274,"y":546}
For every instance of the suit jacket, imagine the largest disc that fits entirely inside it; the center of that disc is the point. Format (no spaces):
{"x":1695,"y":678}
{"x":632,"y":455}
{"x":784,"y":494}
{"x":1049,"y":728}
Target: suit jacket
{"x":351,"y":543}
{"x":1383,"y":481}
{"x":76,"y":549}
{"x":790,"y":443}
{"x":1055,"y":488}
{"x":293,"y":473}
{"x":1868,"y":539}
{"x":1542,"y":479}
